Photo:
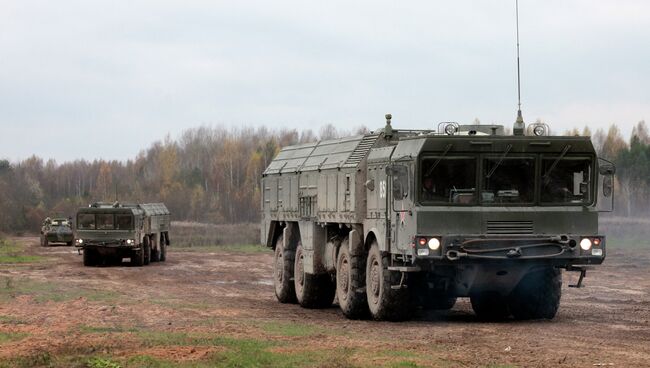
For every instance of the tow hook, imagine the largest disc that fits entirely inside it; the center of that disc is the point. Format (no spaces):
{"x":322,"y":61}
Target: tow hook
{"x":454,"y":255}
{"x":562,"y":239}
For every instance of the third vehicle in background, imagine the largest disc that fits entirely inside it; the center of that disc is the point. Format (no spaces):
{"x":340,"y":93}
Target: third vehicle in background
{"x":57,"y":230}
{"x":109,"y":232}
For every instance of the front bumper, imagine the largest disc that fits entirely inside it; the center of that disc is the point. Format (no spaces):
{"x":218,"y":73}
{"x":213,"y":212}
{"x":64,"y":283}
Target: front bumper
{"x":558,"y":249}
{"x":59,"y":237}
{"x":106,"y":244}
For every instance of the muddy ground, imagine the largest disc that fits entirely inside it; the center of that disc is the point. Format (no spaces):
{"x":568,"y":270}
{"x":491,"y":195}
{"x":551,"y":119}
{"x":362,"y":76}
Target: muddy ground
{"x":216,"y":307}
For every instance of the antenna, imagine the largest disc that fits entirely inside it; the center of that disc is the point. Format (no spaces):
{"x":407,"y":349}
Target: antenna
{"x":519,"y":127}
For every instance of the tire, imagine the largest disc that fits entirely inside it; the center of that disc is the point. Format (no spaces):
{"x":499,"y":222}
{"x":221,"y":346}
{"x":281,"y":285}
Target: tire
{"x":90,"y":257}
{"x":490,"y":305}
{"x":137,"y":257}
{"x":146,"y":249}
{"x":155,"y":252}
{"x":163,"y":252}
{"x":46,"y":243}
{"x":538,"y":294}
{"x":312,"y":291}
{"x":384,"y":302}
{"x":42,"y":241}
{"x":350,"y":283}
{"x":283,"y":262}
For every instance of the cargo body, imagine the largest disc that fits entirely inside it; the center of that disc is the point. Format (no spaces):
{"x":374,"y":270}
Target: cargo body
{"x":107,"y":233}
{"x":397,"y":219}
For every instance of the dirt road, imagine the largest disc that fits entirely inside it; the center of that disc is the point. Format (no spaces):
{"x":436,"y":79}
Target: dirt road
{"x":206,"y":307}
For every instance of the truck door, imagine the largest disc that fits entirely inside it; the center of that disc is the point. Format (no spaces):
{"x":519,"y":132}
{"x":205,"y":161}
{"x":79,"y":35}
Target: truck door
{"x":401,"y":195}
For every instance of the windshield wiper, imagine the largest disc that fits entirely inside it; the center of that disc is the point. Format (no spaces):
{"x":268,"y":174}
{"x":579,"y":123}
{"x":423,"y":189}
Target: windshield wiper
{"x":439,"y":159}
{"x":508,"y":148}
{"x":546,"y":176}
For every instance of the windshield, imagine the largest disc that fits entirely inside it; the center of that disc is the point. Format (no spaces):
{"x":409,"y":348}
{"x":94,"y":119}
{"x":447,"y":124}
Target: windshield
{"x":86,"y":221}
{"x":567,"y":181}
{"x":505,"y":180}
{"x":124,"y":222}
{"x":448,"y":180}
{"x":508,"y":180}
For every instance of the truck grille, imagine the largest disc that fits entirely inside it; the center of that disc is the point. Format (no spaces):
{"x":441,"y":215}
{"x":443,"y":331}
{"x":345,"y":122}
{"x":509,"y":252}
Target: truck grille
{"x":509,"y":227}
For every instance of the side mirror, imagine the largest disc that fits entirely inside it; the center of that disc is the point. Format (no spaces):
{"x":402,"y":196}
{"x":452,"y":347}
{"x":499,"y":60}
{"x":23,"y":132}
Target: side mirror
{"x":608,"y":185}
{"x":607,"y":169}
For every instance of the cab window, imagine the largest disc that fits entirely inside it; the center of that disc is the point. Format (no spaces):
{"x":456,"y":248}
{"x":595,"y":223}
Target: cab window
{"x":86,"y":221}
{"x":566,"y":181}
{"x":105,"y":221}
{"x":508,"y":180}
{"x":124,"y":222}
{"x":449,"y":180}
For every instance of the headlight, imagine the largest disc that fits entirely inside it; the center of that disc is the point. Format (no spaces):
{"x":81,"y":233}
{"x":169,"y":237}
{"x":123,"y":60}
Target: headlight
{"x":450,"y":129}
{"x":79,"y":241}
{"x":539,"y":130}
{"x":585,"y":244}
{"x":130,"y":241}
{"x":434,"y":243}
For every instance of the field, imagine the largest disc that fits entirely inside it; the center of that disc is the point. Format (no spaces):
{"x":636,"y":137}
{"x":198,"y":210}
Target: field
{"x":214,"y":306}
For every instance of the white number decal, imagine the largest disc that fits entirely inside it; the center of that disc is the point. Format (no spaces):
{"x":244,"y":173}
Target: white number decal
{"x":382,"y":189}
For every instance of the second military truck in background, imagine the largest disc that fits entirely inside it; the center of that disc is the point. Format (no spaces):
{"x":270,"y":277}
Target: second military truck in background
{"x":109,"y":232}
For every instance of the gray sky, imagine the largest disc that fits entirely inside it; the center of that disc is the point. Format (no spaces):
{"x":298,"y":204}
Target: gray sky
{"x":104,"y":79}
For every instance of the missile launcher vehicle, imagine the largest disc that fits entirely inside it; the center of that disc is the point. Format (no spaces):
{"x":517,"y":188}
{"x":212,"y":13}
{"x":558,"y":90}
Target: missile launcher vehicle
{"x":109,"y":232}
{"x":398,"y":219}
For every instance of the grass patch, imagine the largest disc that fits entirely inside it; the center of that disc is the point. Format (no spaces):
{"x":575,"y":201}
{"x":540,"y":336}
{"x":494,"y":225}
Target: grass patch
{"x":290,"y":329}
{"x":50,"y":291}
{"x":11,"y":320}
{"x":11,"y":336}
{"x":104,"y":329}
{"x":232,"y":248}
{"x":11,"y":253}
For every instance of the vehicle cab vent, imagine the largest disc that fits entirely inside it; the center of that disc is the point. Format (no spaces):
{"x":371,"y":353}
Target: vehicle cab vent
{"x":509,"y":227}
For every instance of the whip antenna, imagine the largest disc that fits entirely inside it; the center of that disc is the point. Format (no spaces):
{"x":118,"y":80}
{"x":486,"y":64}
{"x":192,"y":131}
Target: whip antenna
{"x":519,"y":123}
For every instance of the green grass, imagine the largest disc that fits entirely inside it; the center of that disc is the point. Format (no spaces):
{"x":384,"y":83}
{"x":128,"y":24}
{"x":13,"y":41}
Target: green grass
{"x":50,"y":291}
{"x":11,"y":253}
{"x":11,"y":336}
{"x":290,"y":329}
{"x":231,"y":248}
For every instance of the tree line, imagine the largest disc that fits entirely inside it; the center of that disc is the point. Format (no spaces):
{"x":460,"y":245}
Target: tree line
{"x":212,"y":175}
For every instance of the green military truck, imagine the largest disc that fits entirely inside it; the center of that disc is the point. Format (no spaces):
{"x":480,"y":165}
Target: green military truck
{"x":109,"y":232}
{"x":56,"y":230}
{"x":395,"y":219}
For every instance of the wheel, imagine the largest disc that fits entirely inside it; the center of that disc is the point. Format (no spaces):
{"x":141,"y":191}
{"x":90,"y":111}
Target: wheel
{"x":490,"y":305}
{"x":146,"y":249}
{"x":42,"y":245}
{"x":46,"y":243}
{"x":350,"y":282}
{"x":537,"y":295}
{"x":137,"y":256}
{"x":283,"y":263}
{"x":312,"y":291}
{"x":155,"y":252}
{"x":90,"y":257}
{"x":163,"y":251}
{"x":384,"y":302}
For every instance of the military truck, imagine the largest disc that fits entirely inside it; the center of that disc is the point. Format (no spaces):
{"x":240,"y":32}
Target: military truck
{"x":109,"y":232}
{"x":56,"y":230}
{"x":398,"y":219}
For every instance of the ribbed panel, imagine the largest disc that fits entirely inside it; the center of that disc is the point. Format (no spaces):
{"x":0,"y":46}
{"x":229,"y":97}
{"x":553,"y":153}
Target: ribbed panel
{"x":361,"y":151}
{"x":509,"y":227}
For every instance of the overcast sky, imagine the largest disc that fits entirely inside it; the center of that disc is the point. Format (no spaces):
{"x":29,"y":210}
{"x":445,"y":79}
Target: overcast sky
{"x":104,"y":79}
